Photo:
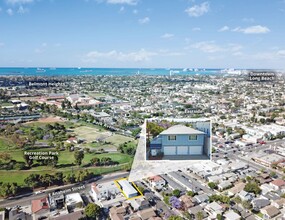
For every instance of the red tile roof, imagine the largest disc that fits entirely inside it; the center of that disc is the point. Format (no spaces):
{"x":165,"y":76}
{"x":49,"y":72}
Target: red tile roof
{"x":155,"y":178}
{"x":278,"y":182}
{"x":39,"y":204}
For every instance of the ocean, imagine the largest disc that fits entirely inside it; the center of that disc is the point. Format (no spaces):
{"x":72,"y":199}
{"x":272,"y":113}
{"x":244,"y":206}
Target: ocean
{"x":17,"y":71}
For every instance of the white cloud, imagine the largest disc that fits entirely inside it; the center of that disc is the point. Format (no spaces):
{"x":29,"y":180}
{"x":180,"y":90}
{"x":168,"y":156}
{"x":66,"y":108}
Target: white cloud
{"x":225,"y":28}
{"x":281,"y":53}
{"x":39,"y":50}
{"x":187,"y":40}
{"x":127,"y":2}
{"x":2,"y":44}
{"x":214,"y":58}
{"x":212,"y":47}
{"x":198,"y":10}
{"x":196,"y":29}
{"x":22,"y":10}
{"x":20,"y":2}
{"x":42,"y":48}
{"x":258,"y":29}
{"x":10,"y":11}
{"x":172,"y":54}
{"x":207,"y":47}
{"x":144,"y":20}
{"x":137,"y":56}
{"x":167,"y":52}
{"x":135,"y":11}
{"x":122,"y":9}
{"x":264,"y":56}
{"x":234,"y":47}
{"x":249,"y":20}
{"x":167,"y":36}
{"x":238,"y":54}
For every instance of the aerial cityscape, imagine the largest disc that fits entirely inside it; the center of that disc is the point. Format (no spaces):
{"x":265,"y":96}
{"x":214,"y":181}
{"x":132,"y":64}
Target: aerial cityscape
{"x":142,"y":110}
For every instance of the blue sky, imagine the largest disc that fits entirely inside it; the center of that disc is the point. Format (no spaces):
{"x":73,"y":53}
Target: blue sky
{"x":143,"y":33}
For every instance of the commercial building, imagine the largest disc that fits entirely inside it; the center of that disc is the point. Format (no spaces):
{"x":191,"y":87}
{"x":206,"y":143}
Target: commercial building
{"x":127,"y":188}
{"x":267,"y":160}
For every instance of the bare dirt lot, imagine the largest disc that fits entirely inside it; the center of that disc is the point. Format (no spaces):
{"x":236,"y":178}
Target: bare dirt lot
{"x":50,"y":119}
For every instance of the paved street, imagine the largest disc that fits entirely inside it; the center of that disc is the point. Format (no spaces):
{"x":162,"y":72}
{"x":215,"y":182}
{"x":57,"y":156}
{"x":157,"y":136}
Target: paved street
{"x":26,"y":199}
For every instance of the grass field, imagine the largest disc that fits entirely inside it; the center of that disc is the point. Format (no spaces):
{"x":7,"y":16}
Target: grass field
{"x":19,"y":176}
{"x":66,"y":159}
{"x":6,"y":144}
{"x":42,"y":123}
{"x":96,"y":94}
{"x":97,"y":146}
{"x":91,"y":133}
{"x":118,"y":139}
{"x":4,"y":104}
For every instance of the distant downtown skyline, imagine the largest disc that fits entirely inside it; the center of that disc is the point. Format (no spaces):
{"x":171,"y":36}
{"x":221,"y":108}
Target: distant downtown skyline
{"x":142,"y":33}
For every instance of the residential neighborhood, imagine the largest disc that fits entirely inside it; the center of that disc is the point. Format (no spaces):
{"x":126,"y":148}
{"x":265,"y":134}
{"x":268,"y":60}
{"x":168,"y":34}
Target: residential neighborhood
{"x":74,"y":145}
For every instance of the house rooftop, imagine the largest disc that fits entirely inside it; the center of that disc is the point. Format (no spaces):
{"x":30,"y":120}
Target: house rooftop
{"x":237,"y":188}
{"x":155,"y":178}
{"x":232,"y":215}
{"x":39,"y":204}
{"x":72,"y":215}
{"x":215,"y":206}
{"x":278,"y":182}
{"x":146,"y":213}
{"x":271,"y":211}
{"x":73,"y":198}
{"x":102,"y":187}
{"x":181,"y":129}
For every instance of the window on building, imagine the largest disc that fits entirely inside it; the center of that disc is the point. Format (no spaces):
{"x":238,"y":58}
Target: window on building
{"x":172,"y":137}
{"x":192,"y":137}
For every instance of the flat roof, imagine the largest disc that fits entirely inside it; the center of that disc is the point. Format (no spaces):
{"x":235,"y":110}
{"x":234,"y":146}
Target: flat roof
{"x":184,"y":181}
{"x":73,"y":198}
{"x":103,"y":186}
{"x":172,"y":183}
{"x":181,"y":129}
{"x":127,"y":187}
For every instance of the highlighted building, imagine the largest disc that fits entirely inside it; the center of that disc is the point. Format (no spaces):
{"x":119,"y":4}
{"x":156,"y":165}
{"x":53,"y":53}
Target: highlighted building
{"x":179,"y":140}
{"x":128,"y":189}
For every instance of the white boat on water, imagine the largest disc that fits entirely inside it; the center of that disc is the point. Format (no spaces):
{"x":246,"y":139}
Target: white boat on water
{"x":40,"y":70}
{"x":232,"y":71}
{"x":171,"y":72}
